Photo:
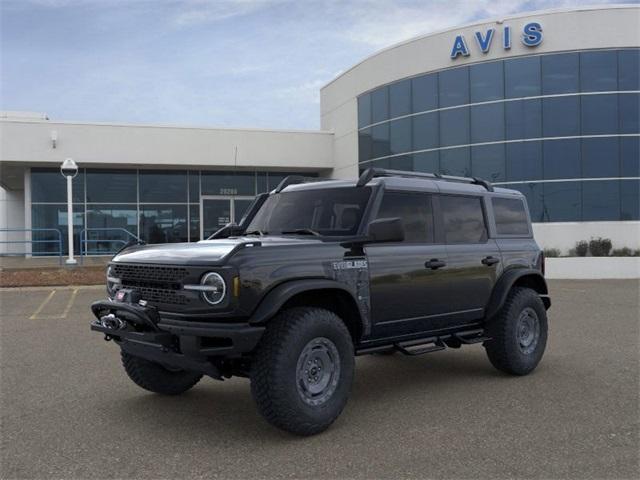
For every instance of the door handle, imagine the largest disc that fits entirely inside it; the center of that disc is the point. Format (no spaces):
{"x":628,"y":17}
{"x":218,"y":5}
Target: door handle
{"x":488,"y":261}
{"x":434,"y":264}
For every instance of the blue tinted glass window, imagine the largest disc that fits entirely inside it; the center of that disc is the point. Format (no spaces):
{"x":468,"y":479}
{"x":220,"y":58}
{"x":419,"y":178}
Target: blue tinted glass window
{"x":380,"y":140}
{"x":454,"y":87}
{"x":524,"y":161}
{"x":163,"y":187}
{"x":400,"y":98}
{"x":598,"y":71}
{"x":114,"y":217}
{"x":380,"y":105}
{"x":600,"y":157}
{"x":560,"y":73}
{"x":425,"y":131}
{"x":402,"y":162}
{"x":194,"y":186}
{"x":222,"y":183}
{"x":601,"y":201}
{"x":48,"y":185}
{"x":400,"y":135}
{"x":630,"y":156}
{"x":533,"y":193}
{"x":561,"y":116}
{"x":364,"y":110}
{"x":599,"y":114}
{"x":629,"y":69}
{"x":561,"y":159}
{"x":487,"y":81}
{"x":365,"y":145}
{"x":262,"y":184}
{"x":630,"y":200}
{"x":629,"y":112}
{"x":454,"y":127}
{"x":488,"y":162}
{"x":522,"y":77}
{"x":163,"y":223}
{"x":455,"y":161}
{"x":487,"y":122}
{"x":562,"y":201}
{"x":428,"y":162}
{"x":194,"y":223}
{"x":112,"y":186}
{"x":424,"y":92}
{"x":54,"y":216}
{"x":523,"y":119}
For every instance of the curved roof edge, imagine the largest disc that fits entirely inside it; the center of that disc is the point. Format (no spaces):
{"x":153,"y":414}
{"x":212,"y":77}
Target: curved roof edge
{"x":481,"y":22}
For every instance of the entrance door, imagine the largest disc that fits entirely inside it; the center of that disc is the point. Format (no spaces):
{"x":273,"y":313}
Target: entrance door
{"x":216,"y":211}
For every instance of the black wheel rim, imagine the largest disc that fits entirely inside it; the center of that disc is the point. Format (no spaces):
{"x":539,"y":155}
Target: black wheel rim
{"x":528,"y":330}
{"x":318,"y":371}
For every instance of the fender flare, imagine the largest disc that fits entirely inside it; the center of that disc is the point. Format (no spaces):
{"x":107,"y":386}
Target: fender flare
{"x":506,"y":282}
{"x":273,"y":300}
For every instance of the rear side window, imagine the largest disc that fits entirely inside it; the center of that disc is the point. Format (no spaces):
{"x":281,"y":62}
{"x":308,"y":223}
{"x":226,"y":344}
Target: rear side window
{"x":511,"y":218}
{"x":463,"y":219}
{"x":414,"y":209}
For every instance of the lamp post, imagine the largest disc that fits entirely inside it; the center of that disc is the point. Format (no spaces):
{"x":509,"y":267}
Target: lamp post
{"x":69,"y":170}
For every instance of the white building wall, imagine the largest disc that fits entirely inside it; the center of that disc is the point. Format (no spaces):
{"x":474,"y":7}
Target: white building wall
{"x":11,"y":217}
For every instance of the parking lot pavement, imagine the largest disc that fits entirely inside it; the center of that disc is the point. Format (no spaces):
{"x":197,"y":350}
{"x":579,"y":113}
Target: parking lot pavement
{"x":68,"y":410}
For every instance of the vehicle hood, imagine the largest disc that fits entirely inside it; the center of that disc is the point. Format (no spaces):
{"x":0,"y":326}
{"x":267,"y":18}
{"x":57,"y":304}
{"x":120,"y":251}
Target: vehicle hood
{"x":205,"y":252}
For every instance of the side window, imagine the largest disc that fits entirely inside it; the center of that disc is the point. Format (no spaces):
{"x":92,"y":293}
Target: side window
{"x":511,"y":218}
{"x":463,"y":219}
{"x":415,"y":211}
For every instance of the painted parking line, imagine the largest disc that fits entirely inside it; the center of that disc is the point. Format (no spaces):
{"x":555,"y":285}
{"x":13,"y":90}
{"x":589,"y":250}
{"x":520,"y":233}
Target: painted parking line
{"x":42,"y":305}
{"x":65,"y":312}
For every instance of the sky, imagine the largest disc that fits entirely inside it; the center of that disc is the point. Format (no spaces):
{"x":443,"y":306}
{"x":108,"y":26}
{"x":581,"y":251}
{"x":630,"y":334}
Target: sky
{"x":219,"y":63}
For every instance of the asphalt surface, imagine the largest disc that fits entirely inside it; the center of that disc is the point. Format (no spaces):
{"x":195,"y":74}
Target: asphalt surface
{"x":69,"y":411}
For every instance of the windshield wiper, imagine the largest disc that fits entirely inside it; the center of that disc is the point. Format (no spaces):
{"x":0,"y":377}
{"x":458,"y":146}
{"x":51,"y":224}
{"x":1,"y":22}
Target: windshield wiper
{"x":302,"y":231}
{"x":256,"y":232}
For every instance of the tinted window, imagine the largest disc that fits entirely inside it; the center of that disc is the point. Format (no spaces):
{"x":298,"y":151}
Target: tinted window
{"x":463,"y":219}
{"x":533,"y":194}
{"x":425,"y":131}
{"x":560,"y":73}
{"x":380,"y":140}
{"x":487,"y":82}
{"x":454,"y":87}
{"x":424,"y":93}
{"x":561,"y":159}
{"x":194,"y":187}
{"x":48,"y":185}
{"x":598,"y":71}
{"x":630,"y":156}
{"x":113,"y":217}
{"x":522,"y":77}
{"x":380,"y":105}
{"x":487,"y":122}
{"x":426,"y":162}
{"x":454,"y":127}
{"x":219,"y":183}
{"x":364,"y":110}
{"x":561,"y":116}
{"x":511,"y":218}
{"x":365,"y":145}
{"x":599,"y":114}
{"x":401,"y":162}
{"x":601,"y":201}
{"x":163,"y":223}
{"x":400,"y":135}
{"x":54,"y":216}
{"x":523,"y":119}
{"x":400,"y":99}
{"x":600,"y":157}
{"x":415,"y":212}
{"x":629,"y":204}
{"x":456,"y":161}
{"x":194,"y":223}
{"x":487,"y":161}
{"x":163,"y":187}
{"x":629,"y":70}
{"x":524,"y":161}
{"x":562,"y":201}
{"x":629,"y":112}
{"x":118,"y":186}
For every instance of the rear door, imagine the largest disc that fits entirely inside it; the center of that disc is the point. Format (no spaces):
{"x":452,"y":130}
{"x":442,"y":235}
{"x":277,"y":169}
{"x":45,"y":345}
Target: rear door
{"x":474,"y":261}
{"x":405,"y":292}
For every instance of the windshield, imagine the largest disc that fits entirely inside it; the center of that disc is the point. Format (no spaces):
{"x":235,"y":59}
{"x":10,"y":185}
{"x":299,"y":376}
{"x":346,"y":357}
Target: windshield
{"x":329,"y":211}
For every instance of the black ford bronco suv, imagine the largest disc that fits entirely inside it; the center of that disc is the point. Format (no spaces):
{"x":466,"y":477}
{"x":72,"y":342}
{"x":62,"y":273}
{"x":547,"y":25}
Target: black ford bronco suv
{"x":316,"y":273}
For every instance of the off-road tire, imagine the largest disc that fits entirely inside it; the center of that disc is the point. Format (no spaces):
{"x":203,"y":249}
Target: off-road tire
{"x":274,"y":379}
{"x":504,"y":349}
{"x":156,"y":378}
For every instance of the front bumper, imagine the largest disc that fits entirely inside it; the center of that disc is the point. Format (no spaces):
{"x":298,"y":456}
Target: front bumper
{"x":175,"y":343}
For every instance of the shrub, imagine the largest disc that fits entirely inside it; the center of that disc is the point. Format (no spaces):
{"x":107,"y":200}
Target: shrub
{"x":625,"y":252}
{"x":581,"y":249}
{"x":551,"y":252}
{"x":600,"y":247}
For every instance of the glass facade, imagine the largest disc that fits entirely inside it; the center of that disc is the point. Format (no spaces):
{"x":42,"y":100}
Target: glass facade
{"x":561,"y":128}
{"x":158,"y":206}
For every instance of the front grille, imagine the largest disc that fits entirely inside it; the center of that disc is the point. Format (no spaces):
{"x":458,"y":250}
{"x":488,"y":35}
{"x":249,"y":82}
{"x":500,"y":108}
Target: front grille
{"x":151,"y":273}
{"x":156,"y":284}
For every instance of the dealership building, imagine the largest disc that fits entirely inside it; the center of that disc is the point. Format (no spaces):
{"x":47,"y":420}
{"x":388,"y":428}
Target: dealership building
{"x":546,"y":103}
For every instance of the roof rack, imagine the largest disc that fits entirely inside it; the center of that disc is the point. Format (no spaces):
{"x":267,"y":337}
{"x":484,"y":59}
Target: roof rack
{"x":290,"y":180}
{"x":371,"y":173}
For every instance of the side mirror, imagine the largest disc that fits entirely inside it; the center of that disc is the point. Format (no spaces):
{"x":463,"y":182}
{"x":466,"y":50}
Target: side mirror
{"x":385,"y":230}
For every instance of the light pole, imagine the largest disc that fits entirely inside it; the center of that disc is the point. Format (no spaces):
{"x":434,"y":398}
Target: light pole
{"x":69,"y":170}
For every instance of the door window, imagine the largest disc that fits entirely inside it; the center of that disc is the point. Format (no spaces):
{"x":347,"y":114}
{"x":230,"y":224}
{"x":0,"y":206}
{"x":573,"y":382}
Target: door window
{"x":415,"y":211}
{"x":463,"y":219}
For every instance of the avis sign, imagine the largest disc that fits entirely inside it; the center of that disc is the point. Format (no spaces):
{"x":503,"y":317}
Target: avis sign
{"x":531,"y":37}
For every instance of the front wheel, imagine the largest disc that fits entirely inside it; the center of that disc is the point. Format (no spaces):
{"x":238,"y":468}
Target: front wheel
{"x":303,"y":369}
{"x":518,"y":333}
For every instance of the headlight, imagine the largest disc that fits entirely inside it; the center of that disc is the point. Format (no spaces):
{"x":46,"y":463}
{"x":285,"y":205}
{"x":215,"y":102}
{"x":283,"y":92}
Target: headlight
{"x":213,"y":288}
{"x":113,"y":283}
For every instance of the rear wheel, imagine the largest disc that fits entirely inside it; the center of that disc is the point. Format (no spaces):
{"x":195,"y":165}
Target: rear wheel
{"x":156,"y":378}
{"x":303,"y":369}
{"x":518,"y":333}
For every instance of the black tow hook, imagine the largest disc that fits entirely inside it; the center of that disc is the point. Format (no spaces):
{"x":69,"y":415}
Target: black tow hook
{"x":112,"y":322}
